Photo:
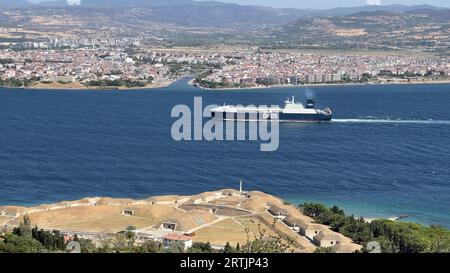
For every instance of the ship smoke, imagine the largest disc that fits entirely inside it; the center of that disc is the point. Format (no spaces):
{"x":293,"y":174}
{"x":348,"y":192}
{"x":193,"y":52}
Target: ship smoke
{"x":309,"y":94}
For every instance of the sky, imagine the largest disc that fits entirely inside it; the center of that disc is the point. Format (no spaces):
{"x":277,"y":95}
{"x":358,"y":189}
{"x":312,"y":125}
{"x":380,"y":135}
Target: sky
{"x":328,"y":4}
{"x":322,"y":4}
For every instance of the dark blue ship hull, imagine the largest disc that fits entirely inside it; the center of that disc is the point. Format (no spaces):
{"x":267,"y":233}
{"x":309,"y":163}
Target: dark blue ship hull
{"x":280,"y":117}
{"x":305,"y":117}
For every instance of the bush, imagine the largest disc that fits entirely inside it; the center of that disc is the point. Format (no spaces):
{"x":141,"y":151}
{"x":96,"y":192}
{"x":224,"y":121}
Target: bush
{"x":393,"y":236}
{"x":201,"y":248}
{"x":324,"y":250}
{"x":116,"y":83}
{"x":20,"y":244}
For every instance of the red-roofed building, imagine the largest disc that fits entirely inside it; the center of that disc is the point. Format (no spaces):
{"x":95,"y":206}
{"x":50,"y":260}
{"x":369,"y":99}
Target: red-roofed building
{"x":174,"y":238}
{"x":68,"y":238}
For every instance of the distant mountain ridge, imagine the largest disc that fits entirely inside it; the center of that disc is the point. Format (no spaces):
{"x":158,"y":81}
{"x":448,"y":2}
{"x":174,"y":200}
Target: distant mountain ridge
{"x":212,"y":13}
{"x":95,"y":3}
{"x":14,"y":4}
{"x":390,"y":8}
{"x":133,"y":3}
{"x":420,"y":28}
{"x":160,"y":3}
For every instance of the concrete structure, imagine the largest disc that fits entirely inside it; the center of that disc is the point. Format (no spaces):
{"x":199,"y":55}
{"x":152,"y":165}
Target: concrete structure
{"x":169,"y":226}
{"x":347,"y":248}
{"x":328,"y":239}
{"x":277,"y":212}
{"x":294,"y":223}
{"x":311,"y":230}
{"x":128,"y":212}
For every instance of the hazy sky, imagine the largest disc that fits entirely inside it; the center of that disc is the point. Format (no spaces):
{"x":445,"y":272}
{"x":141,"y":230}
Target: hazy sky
{"x":323,"y":4}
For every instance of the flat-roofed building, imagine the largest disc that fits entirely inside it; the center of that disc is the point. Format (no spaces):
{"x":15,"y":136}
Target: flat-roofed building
{"x":309,"y":230}
{"x":347,"y":248}
{"x":277,"y":212}
{"x":294,"y":223}
{"x":329,"y":239}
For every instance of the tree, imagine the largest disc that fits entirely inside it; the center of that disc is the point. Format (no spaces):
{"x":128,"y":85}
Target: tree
{"x":120,"y":243}
{"x":175,"y":248}
{"x":393,"y":236}
{"x":324,"y":250}
{"x":148,"y":247}
{"x":387,"y":246}
{"x":314,"y":210}
{"x":106,"y":245}
{"x":130,"y":237}
{"x":442,"y":245}
{"x":357,"y":229}
{"x":117,"y":244}
{"x":20,"y":244}
{"x":337,"y":210}
{"x":229,"y":249}
{"x":52,"y":241}
{"x":24,"y":229}
{"x":201,"y":248}
{"x":87,"y":246}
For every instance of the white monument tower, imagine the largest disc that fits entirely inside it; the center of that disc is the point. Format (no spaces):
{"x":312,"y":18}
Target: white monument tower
{"x":241,"y":191}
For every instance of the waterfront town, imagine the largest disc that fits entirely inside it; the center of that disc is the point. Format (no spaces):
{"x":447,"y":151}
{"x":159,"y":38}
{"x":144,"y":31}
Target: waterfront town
{"x":288,"y":68}
{"x":77,"y":47}
{"x":129,"y":66}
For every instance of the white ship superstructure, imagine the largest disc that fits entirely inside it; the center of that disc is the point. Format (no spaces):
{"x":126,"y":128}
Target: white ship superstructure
{"x":291,"y":112}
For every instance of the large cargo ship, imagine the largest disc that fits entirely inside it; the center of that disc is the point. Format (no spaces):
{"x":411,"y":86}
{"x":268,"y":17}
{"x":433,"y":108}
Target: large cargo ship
{"x":291,"y":112}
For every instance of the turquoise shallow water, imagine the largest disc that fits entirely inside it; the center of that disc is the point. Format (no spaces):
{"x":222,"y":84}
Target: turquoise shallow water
{"x":386,"y":154}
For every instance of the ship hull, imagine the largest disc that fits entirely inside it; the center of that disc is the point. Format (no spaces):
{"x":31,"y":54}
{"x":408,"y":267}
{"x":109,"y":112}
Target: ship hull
{"x":305,"y":117}
{"x":280,"y":117}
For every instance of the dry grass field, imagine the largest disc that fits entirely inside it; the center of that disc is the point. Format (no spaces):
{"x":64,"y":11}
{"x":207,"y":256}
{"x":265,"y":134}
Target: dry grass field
{"x":3,"y":220}
{"x":109,"y":218}
{"x":111,"y":224}
{"x":220,"y":233}
{"x":80,"y":86}
{"x":215,"y":217}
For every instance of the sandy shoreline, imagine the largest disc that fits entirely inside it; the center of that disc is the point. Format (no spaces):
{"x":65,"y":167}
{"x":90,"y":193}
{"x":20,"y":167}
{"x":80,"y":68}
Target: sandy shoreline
{"x":80,"y":87}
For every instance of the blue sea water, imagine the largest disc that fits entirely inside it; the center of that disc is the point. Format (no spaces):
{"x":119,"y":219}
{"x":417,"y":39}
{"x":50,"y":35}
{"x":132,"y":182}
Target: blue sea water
{"x":386,"y":154}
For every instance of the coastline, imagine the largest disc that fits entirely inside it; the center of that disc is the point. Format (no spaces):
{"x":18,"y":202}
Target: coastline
{"x":221,"y":219}
{"x":224,"y":216}
{"x":114,"y":201}
{"x":288,"y":86}
{"x":80,"y":87}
